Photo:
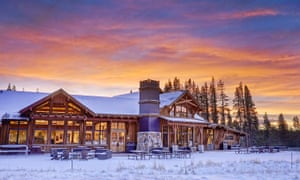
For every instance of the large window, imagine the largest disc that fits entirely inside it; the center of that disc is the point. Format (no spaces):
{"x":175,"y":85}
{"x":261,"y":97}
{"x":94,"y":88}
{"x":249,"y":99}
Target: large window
{"x":118,"y":125}
{"x":40,"y":136}
{"x":182,"y":138}
{"x":40,"y":132}
{"x":180,"y":111}
{"x":100,"y":136}
{"x":17,"y":132}
{"x":57,"y":137}
{"x":17,"y":137}
{"x":190,"y":137}
{"x":185,"y":136}
{"x":210,"y":136}
{"x":57,"y":132}
{"x":88,"y":132}
{"x":73,"y":137}
{"x":73,"y":132}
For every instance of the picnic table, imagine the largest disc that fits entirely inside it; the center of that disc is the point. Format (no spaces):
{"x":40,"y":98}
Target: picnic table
{"x":241,"y":151}
{"x":80,"y":152}
{"x":166,"y":154}
{"x":161,"y":153}
{"x":57,"y":153}
{"x":102,"y":153}
{"x":137,"y":154}
{"x":182,"y":153}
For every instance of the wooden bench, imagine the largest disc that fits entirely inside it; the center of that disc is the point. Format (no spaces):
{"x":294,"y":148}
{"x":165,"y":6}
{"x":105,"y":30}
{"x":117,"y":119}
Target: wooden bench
{"x":242,"y":151}
{"x":14,"y":148}
{"x":132,"y":156}
{"x":138,"y":155}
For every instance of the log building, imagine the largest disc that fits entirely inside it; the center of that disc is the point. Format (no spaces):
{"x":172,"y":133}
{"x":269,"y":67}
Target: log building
{"x":143,"y":119}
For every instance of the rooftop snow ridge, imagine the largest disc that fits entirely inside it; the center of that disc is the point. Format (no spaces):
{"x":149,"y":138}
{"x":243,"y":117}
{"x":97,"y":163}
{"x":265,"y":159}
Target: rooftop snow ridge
{"x":14,"y":101}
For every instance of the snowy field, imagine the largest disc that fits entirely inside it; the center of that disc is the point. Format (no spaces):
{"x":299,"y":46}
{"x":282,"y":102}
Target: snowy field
{"x":207,"y":165}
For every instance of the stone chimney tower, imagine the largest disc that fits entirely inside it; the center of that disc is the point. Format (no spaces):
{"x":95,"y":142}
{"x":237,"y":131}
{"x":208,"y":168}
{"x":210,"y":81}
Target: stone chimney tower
{"x":149,"y":135}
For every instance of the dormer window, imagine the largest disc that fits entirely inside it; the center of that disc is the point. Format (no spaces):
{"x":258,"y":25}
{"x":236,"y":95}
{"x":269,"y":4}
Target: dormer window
{"x":180,"y":111}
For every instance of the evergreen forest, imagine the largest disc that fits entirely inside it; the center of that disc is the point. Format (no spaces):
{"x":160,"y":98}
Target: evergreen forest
{"x":239,"y":113}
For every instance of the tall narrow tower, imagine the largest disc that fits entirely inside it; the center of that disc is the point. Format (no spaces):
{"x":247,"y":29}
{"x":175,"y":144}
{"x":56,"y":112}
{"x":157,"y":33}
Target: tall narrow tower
{"x":149,"y":134}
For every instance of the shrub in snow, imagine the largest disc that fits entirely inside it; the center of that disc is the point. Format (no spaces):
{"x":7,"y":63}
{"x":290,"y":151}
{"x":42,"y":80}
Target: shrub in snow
{"x":200,"y":164}
{"x":120,"y":167}
{"x":140,"y":166}
{"x":211,"y":163}
{"x":256,"y":161}
{"x":158,"y":167}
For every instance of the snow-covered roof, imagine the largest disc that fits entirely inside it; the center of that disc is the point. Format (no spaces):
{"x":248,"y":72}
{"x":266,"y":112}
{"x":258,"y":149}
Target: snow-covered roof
{"x":168,"y":98}
{"x":15,"y":116}
{"x":11,"y":102}
{"x":124,"y":103}
{"x":110,"y":105}
{"x":189,"y":120}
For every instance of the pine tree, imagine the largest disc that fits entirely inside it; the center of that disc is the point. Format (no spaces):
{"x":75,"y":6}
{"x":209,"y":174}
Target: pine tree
{"x":188,"y":85}
{"x":9,"y":87}
{"x":238,"y":107}
{"x":194,"y":87}
{"x":213,"y":101}
{"x":204,"y":103}
{"x":13,"y":88}
{"x":267,"y":129}
{"x":282,"y":129}
{"x":251,"y":120}
{"x":229,"y":119}
{"x":197,"y":94}
{"x":236,"y":125}
{"x":223,"y":99}
{"x":296,"y":123}
{"x":245,"y":113}
{"x":168,"y":86}
{"x":176,"y":84}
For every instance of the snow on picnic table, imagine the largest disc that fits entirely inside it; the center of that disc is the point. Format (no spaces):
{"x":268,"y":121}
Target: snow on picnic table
{"x":207,"y":165}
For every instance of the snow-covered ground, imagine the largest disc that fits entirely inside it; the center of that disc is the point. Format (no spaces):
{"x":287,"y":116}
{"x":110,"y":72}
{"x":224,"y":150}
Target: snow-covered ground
{"x":207,"y":165}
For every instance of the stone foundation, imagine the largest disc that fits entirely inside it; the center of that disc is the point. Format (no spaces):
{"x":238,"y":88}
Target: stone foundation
{"x":148,"y":140}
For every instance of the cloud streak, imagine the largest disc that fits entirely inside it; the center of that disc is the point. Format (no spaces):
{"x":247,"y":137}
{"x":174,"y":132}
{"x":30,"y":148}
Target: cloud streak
{"x":250,"y":14}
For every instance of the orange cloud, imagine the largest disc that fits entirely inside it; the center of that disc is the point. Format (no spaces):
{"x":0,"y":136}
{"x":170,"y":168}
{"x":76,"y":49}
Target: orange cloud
{"x":232,"y":15}
{"x":249,"y":14}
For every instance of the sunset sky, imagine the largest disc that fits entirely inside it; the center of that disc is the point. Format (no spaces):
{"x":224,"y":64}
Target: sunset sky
{"x":106,"y":47}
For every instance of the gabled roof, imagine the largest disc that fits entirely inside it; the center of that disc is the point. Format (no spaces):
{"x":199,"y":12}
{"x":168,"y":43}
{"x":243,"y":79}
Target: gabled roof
{"x":125,"y":104}
{"x":176,"y":96}
{"x":169,"y":98}
{"x":58,"y":92}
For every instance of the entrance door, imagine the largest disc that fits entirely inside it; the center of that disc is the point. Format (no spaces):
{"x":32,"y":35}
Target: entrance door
{"x":118,"y":137}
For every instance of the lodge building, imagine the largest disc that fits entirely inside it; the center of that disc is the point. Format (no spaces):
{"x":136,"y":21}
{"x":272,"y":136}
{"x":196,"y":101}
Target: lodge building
{"x":143,"y":119}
